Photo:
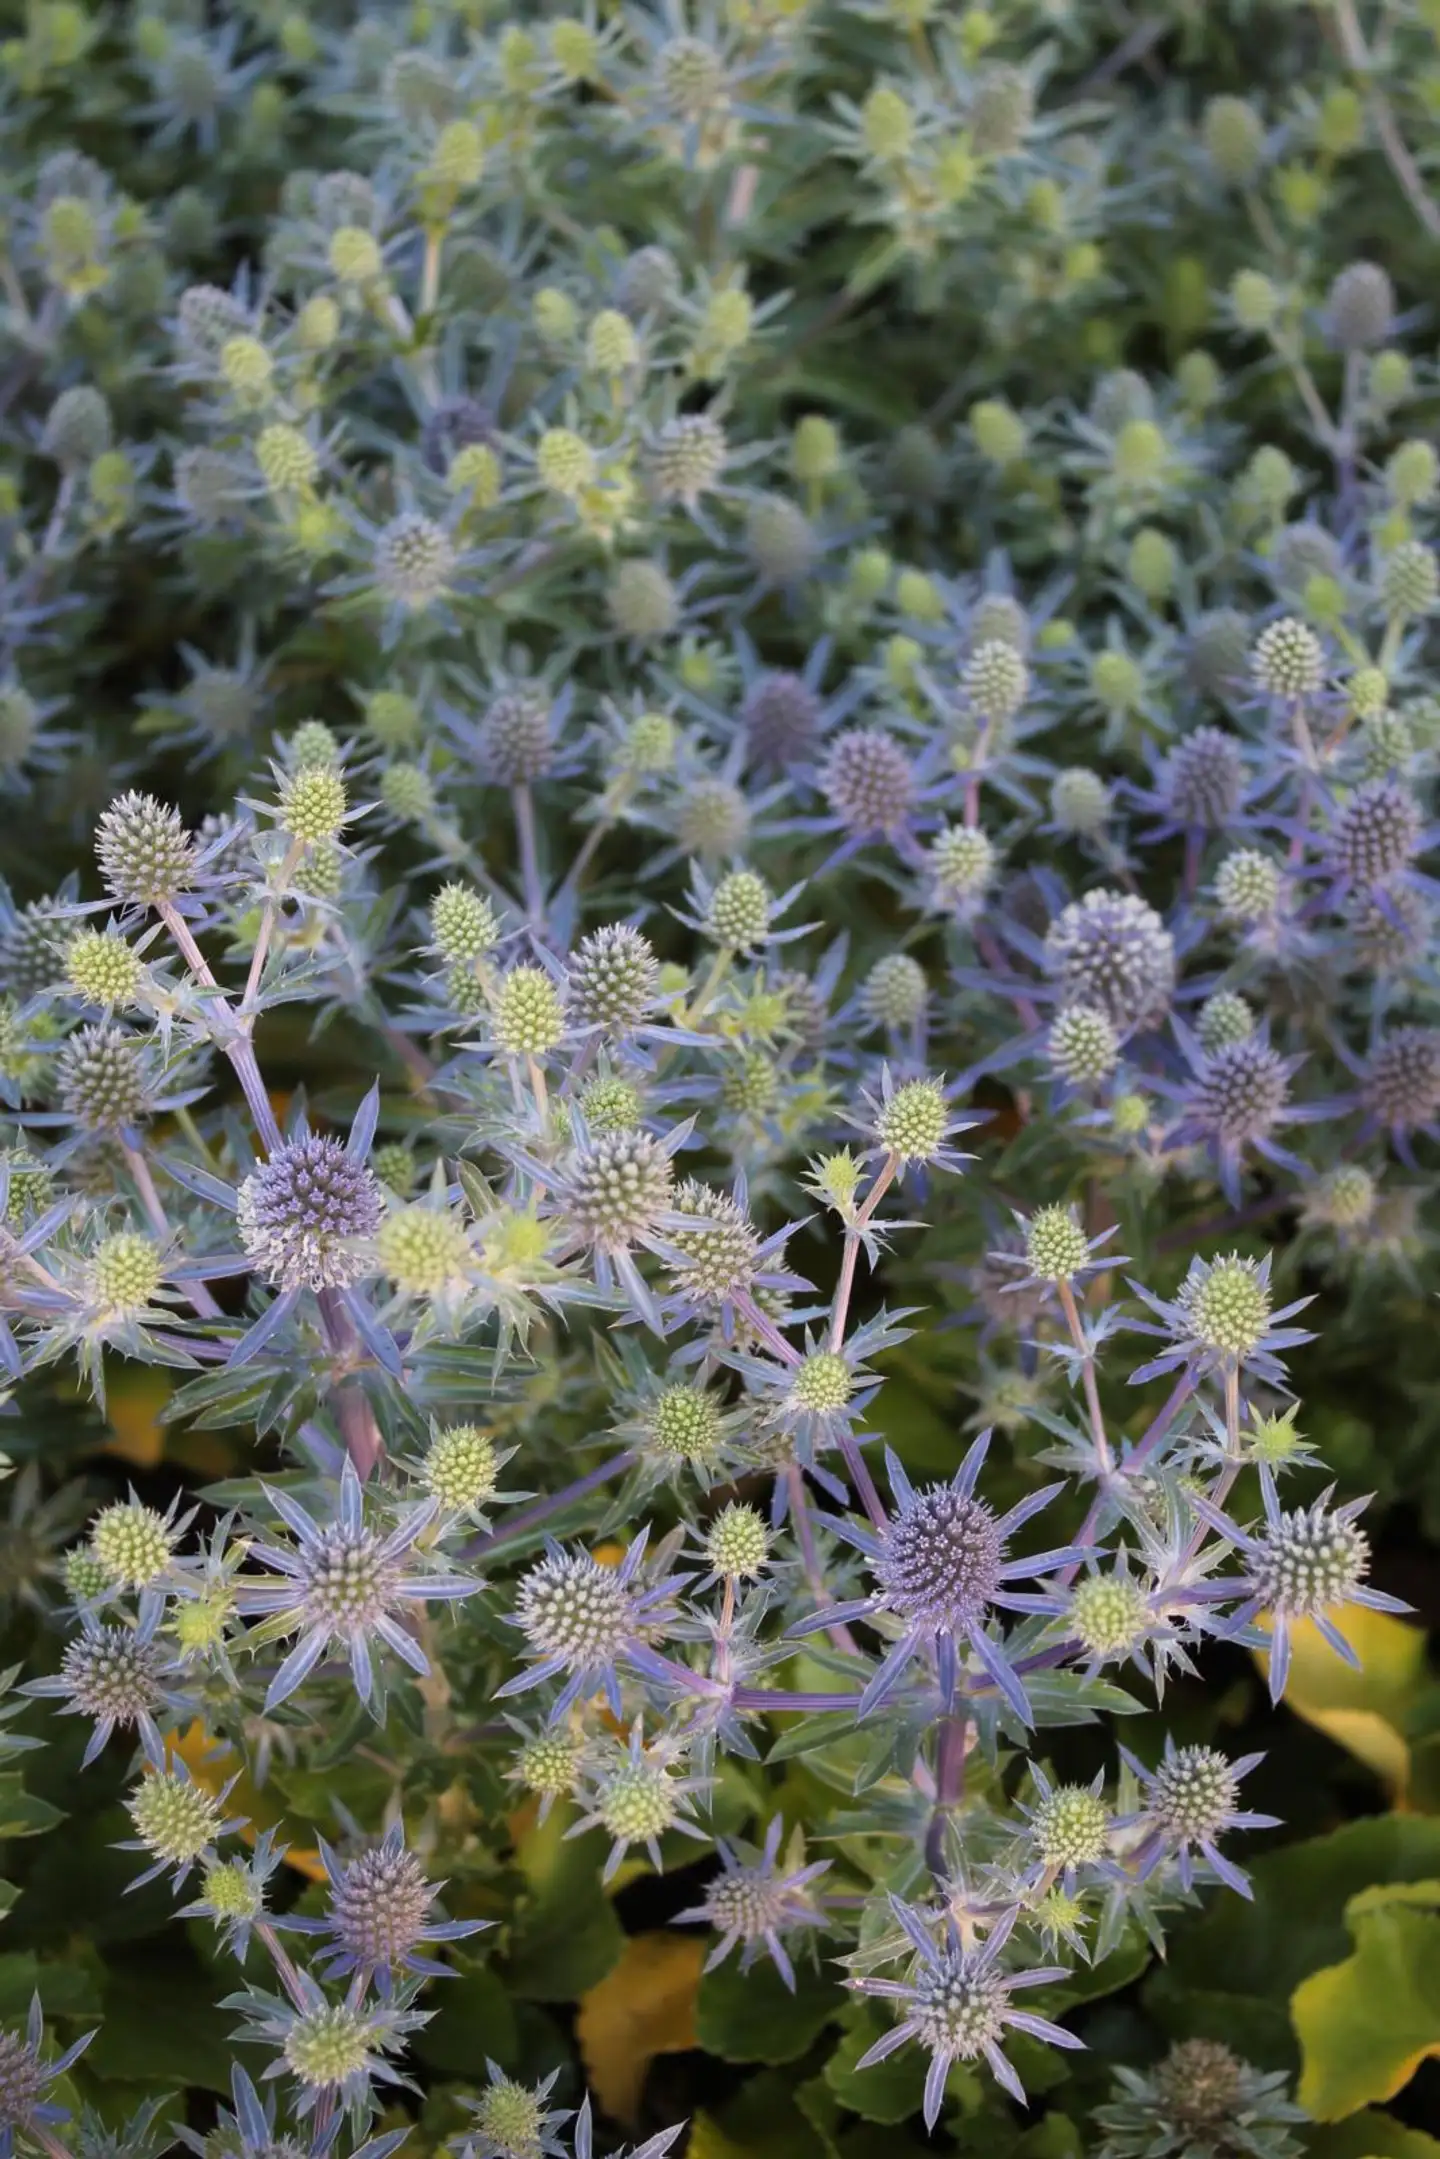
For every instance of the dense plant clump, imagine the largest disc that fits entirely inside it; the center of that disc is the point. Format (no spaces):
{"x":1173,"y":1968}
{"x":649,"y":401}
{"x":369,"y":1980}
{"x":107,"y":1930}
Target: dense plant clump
{"x":716,"y":769}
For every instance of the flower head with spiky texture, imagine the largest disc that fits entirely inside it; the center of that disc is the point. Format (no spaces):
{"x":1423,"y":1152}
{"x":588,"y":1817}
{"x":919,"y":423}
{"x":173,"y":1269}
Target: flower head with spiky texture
{"x":753,"y":1903}
{"x":940,"y":1570}
{"x":306,"y":1212}
{"x":1221,"y":1319}
{"x":25,"y":2076}
{"x":378,"y":1920}
{"x":1188,"y":1802}
{"x":584,"y":1621}
{"x":636,"y":1797}
{"x":1111,"y":951}
{"x":344,"y":1583}
{"x":958,"y":2005}
{"x":1299,"y":1564}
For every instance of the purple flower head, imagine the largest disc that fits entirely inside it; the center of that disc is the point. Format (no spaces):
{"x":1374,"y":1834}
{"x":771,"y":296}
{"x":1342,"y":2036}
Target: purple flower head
{"x":379,"y":1918}
{"x":306,"y":1212}
{"x":344,"y":1583}
{"x":1111,"y":951}
{"x":940,"y":1570}
{"x":958,"y":2005}
{"x":25,"y":2076}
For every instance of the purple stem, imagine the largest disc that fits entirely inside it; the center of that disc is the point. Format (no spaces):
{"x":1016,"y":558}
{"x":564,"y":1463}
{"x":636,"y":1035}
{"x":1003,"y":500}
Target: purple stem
{"x":530,"y":1517}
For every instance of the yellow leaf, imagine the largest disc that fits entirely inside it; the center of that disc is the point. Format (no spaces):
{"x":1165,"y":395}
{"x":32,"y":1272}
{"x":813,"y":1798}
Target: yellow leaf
{"x":643,"y":2007}
{"x":707,"y":2140}
{"x":212,"y":1763}
{"x":135,"y":1400}
{"x":1361,"y":1711}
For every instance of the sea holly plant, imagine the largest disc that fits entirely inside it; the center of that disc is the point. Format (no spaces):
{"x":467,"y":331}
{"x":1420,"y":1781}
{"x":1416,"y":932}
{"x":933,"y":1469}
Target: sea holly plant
{"x":719,"y":1069}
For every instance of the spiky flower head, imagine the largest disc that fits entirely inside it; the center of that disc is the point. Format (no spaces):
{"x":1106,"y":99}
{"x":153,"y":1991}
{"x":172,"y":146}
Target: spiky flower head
{"x":637,"y":1799}
{"x":738,"y":916}
{"x":1308,"y":1559}
{"x":86,"y":1576}
{"x":462,"y":924}
{"x":78,"y":426}
{"x":549,"y":1764}
{"x":642,"y":600}
{"x":1409,"y":579}
{"x":612,"y":978}
{"x":144,"y":851}
{"x":304,"y":1213}
{"x":31,"y":1185}
{"x":712,"y":818}
{"x":1234,"y":138}
{"x":961,"y":863}
{"x":1227,"y":1304}
{"x":132,"y":1543}
{"x":1223,"y":1020}
{"x":780,"y":540}
{"x":527,"y":1012}
{"x":1109,"y":1614}
{"x":895,"y":992}
{"x":822,"y":1383}
{"x":414,"y":561}
{"x":328,"y":2046}
{"x":868,"y":780}
{"x":618,"y":1188}
{"x":509,"y":2119}
{"x":570,"y":1607}
{"x":737,"y":1543}
{"x":175,"y":1818}
{"x":914,"y":1122}
{"x":112,"y":1675}
{"x":1288,"y":660}
{"x":424,"y":1250}
{"x":1203,"y":778}
{"x":1376,"y":831}
{"x":781,"y":718}
{"x":1361,"y":307}
{"x":996,"y":680}
{"x":1401,"y":1085}
{"x":1192,"y":1793}
{"x":685,"y":1423}
{"x":720,"y":1253}
{"x":1071,"y":1826}
{"x":379,"y":1907}
{"x":23,"y":2078}
{"x":1056,"y":1247}
{"x":1343,"y":1199}
{"x":1248,"y":886}
{"x":687,"y":458}
{"x":123,"y":1273}
{"x":460,"y":1468}
{"x":1110,"y":950}
{"x":1083,"y":1045}
{"x":102,"y":969}
{"x":313,"y":804}
{"x":610,"y":1103}
{"x":517,"y":737}
{"x":1219,"y":651}
{"x":1242,"y":1091}
{"x":1079,"y":800}
{"x":938,"y":1562}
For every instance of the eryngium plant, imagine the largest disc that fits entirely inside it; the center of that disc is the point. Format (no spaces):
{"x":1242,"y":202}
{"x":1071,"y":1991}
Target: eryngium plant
{"x":725,"y":945}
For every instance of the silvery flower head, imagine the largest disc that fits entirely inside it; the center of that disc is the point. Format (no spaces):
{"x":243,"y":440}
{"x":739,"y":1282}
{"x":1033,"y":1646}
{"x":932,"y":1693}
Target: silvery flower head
{"x":344,"y":1583}
{"x":584,"y":1621}
{"x":1187,"y":1803}
{"x":958,"y":2005}
{"x":753,"y":1903}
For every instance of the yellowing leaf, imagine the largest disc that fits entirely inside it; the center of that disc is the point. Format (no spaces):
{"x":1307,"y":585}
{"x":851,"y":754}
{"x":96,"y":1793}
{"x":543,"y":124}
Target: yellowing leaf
{"x":1366,"y":2025}
{"x":1362,"y":1711}
{"x":212,"y":1764}
{"x":135,"y":1399}
{"x":643,"y":2007}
